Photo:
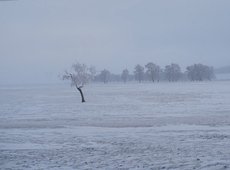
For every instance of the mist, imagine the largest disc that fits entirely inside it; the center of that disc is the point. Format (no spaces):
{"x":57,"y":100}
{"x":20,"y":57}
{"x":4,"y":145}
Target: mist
{"x":114,"y":84}
{"x":40,"y":39}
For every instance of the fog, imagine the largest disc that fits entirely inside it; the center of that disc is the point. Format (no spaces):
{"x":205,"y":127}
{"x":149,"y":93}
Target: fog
{"x":40,"y":39}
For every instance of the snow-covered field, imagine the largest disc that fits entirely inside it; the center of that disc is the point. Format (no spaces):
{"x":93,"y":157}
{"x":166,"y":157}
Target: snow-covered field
{"x":121,"y":126}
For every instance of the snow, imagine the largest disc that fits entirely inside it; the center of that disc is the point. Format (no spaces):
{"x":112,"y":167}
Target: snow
{"x":180,"y":125}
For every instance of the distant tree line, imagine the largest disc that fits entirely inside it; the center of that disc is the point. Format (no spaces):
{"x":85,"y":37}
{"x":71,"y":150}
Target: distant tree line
{"x":154,"y":73}
{"x":81,"y":74}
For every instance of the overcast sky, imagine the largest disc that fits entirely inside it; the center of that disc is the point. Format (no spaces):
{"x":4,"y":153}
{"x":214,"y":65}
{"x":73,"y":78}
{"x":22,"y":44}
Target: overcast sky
{"x":41,"y":38}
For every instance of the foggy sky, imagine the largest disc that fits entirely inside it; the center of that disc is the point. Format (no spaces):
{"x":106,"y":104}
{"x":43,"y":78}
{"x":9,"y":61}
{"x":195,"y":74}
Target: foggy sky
{"x":39,"y":39}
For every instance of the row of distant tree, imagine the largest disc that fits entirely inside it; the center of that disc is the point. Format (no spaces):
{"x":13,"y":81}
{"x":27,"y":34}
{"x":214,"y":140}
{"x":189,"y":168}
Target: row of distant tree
{"x":80,"y":74}
{"x":153,"y":72}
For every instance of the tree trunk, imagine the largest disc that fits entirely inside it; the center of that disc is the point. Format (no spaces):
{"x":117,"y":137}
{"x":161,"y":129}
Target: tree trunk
{"x":82,"y":96}
{"x":152,"y":77}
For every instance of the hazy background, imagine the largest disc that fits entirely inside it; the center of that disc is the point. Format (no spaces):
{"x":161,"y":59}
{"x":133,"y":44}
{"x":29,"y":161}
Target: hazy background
{"x":41,"y":38}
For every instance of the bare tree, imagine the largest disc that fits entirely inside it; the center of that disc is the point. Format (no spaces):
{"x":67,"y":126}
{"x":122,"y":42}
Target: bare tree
{"x":139,"y":73}
{"x":125,"y":75}
{"x":153,"y":71}
{"x":173,"y":72}
{"x":80,"y":75}
{"x":104,"y":76}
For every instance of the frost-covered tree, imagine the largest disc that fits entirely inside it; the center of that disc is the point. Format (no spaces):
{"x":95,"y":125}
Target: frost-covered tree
{"x":125,"y":75}
{"x":200,"y":72}
{"x":153,"y":71}
{"x":173,"y":72}
{"x":139,"y":73}
{"x":79,"y":75}
{"x":104,"y":76}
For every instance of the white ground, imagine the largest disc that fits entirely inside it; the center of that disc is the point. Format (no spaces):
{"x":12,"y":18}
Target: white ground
{"x":134,"y":126}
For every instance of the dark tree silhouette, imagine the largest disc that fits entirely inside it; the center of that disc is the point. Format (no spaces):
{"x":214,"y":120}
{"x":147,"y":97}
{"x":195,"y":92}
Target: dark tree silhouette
{"x":139,"y":73}
{"x":125,"y":75}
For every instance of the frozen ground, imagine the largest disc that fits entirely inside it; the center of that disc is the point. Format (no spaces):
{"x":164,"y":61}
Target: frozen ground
{"x":133,"y":126}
